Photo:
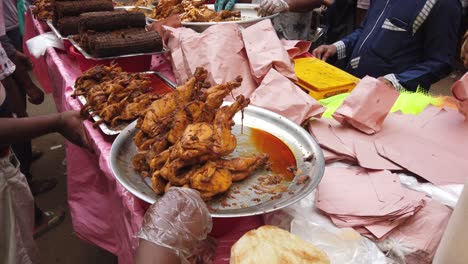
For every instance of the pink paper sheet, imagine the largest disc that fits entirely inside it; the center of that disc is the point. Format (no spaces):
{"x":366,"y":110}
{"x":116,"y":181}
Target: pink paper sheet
{"x":423,"y":232}
{"x":296,"y":48}
{"x":265,"y":50}
{"x":219,"y":49}
{"x":460,"y":92}
{"x":375,"y":200}
{"x":367,"y":106}
{"x":103,"y":212}
{"x":460,"y":88}
{"x":294,"y":104}
{"x":424,"y":158}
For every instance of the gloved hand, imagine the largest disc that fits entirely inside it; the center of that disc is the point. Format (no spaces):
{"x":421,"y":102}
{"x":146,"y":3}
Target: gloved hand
{"x":179,"y":221}
{"x":224,"y":5}
{"x":269,"y":7}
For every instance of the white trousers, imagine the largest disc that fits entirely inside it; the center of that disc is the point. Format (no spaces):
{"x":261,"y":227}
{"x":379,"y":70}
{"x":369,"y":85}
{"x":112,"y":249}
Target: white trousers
{"x":16,"y":215}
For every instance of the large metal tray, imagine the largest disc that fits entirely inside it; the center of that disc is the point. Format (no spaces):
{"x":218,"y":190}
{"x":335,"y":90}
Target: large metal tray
{"x":55,"y":30}
{"x":91,"y":57}
{"x":116,"y":130}
{"x":242,"y":199}
{"x":249,"y":17}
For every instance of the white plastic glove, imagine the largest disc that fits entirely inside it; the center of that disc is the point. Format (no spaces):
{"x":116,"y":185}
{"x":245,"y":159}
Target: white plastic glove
{"x":180,"y":220}
{"x":269,"y":7}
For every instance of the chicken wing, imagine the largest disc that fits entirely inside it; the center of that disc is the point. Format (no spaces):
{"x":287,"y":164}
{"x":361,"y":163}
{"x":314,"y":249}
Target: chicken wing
{"x":242,"y":167}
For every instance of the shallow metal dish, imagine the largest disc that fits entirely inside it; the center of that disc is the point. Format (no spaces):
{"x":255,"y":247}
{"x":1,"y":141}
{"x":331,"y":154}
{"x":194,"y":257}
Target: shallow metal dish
{"x":249,"y":17}
{"x":91,"y":57}
{"x":146,"y":10}
{"x":55,"y":30}
{"x":241,"y":199}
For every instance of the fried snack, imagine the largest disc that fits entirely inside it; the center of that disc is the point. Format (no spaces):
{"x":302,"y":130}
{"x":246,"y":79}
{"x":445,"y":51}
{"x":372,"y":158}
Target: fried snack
{"x":43,"y":9}
{"x":88,"y":39}
{"x":76,"y":8}
{"x":125,"y":43}
{"x":111,"y":20}
{"x":185,"y":136}
{"x":68,"y":25}
{"x":273,"y":245}
{"x":115,"y":96}
{"x":192,"y":11}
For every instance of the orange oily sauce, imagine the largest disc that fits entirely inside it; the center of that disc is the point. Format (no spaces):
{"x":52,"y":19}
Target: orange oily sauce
{"x":282,"y":159}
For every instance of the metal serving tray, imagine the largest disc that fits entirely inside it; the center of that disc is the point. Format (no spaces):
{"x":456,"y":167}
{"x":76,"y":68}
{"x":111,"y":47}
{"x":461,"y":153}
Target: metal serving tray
{"x":55,"y":30}
{"x":244,"y":197}
{"x":249,"y":17}
{"x":90,"y":57}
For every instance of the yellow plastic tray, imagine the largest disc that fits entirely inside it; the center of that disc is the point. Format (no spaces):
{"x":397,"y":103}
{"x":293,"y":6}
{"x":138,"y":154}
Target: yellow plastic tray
{"x":321,"y":80}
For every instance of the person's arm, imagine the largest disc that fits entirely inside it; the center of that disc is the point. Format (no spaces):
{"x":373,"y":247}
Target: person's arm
{"x":304,"y":5}
{"x":69,"y":124}
{"x":440,"y":40}
{"x":342,"y":48}
{"x":150,"y":253}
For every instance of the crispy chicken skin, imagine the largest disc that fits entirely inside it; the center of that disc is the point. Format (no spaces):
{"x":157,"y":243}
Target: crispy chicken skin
{"x":184,"y":138}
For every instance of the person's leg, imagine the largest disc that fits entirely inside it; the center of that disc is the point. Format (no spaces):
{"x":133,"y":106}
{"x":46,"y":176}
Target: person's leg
{"x":16,"y":39}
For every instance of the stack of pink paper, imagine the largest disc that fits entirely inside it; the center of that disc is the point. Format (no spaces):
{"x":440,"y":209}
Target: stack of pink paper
{"x":431,"y":145}
{"x":372,"y":202}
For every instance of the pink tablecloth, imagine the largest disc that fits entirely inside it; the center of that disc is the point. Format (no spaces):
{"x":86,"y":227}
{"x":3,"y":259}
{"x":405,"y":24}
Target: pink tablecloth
{"x":103,"y":212}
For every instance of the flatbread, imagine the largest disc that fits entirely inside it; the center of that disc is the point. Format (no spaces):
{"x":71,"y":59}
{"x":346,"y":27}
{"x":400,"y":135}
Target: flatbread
{"x":272,"y":245}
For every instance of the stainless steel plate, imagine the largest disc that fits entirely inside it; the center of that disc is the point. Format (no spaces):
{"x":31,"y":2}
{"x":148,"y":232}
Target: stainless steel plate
{"x":249,"y":17}
{"x":55,"y":30}
{"x":243,"y":198}
{"x":91,"y":57}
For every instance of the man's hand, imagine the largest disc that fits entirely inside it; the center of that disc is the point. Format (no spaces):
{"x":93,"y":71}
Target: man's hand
{"x":324,"y":52}
{"x":224,"y":5}
{"x":70,"y":125}
{"x":22,"y":58}
{"x":387,"y":82}
{"x":179,"y":221}
{"x":270,"y":7}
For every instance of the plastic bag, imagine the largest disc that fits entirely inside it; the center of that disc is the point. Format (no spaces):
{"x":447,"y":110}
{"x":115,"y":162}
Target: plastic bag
{"x":342,"y":246}
{"x":38,"y":45}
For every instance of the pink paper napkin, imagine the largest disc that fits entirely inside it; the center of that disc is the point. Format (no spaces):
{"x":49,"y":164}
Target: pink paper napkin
{"x":423,"y":232}
{"x":219,"y":49}
{"x":265,"y":50}
{"x":296,"y":47}
{"x":460,"y":92}
{"x":460,"y":88}
{"x":278,"y":94}
{"x":367,"y":106}
{"x":424,"y":157}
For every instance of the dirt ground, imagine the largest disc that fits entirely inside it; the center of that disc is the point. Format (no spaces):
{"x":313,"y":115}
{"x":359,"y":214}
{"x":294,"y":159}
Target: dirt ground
{"x":61,"y":245}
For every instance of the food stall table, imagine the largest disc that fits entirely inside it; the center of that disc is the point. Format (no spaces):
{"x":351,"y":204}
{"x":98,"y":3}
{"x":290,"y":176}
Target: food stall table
{"x":103,"y":212}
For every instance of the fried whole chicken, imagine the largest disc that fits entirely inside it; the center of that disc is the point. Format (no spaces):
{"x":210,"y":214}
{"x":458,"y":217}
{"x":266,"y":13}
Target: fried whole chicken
{"x":117,"y":97}
{"x":185,"y":137}
{"x":192,"y":11}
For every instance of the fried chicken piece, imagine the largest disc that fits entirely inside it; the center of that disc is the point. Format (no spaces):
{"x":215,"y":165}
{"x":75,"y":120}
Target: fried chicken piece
{"x":158,"y":184}
{"x":139,"y":162}
{"x":201,"y":142}
{"x":110,"y":111}
{"x":210,"y":180}
{"x":159,"y":115}
{"x":242,"y":167}
{"x":136,"y":109}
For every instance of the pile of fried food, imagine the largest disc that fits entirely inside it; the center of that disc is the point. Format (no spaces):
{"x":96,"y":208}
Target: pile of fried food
{"x":44,"y":9}
{"x":192,"y":11}
{"x":185,"y":137}
{"x":114,"y":95}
